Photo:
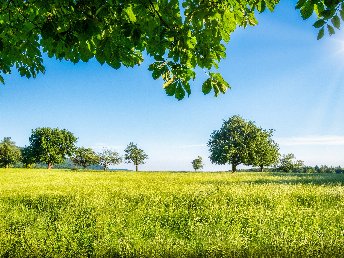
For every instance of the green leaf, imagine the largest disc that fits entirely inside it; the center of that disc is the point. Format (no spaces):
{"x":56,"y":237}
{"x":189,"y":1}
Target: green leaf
{"x":336,"y":21}
{"x":261,"y":6}
{"x":300,"y":3}
{"x":327,"y":14}
{"x":330,"y":30}
{"x":341,"y":13}
{"x":319,"y":23}
{"x":321,"y":33}
{"x":206,"y":87}
{"x":180,"y":92}
{"x":171,"y":89}
{"x":307,"y":10}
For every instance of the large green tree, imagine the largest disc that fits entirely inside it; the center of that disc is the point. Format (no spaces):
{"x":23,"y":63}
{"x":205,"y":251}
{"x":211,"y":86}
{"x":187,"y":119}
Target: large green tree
{"x":234,"y":143}
{"x":266,"y":150}
{"x":84,"y":157}
{"x":179,"y":36}
{"x":135,"y":155}
{"x":51,"y":145}
{"x":9,"y":152}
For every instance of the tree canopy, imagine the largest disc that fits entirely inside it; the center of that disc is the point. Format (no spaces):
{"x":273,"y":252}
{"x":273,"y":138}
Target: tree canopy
{"x":232,"y":143}
{"x":84,"y":157}
{"x":135,"y":155}
{"x":9,"y":152}
{"x":239,"y":141}
{"x":179,"y":36}
{"x":288,"y":163}
{"x":108,"y":157}
{"x":266,"y":150}
{"x":50,"y":145}
{"x":197,"y":163}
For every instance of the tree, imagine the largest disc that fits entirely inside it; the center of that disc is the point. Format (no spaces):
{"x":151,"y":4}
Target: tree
{"x":84,"y":157}
{"x":197,"y":163}
{"x":287,"y":163}
{"x":234,"y":143}
{"x":108,"y":157}
{"x":135,"y":155}
{"x":179,"y":36}
{"x":28,"y":158}
{"x":9,"y":152}
{"x":51,"y":145}
{"x":266,"y":151}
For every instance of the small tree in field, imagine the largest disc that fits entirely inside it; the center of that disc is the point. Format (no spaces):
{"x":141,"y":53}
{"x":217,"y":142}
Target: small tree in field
{"x":287,"y":163}
{"x":84,"y":157}
{"x":51,"y":145}
{"x":135,"y":155}
{"x":9,"y":152}
{"x":197,"y":163}
{"x":108,"y":157}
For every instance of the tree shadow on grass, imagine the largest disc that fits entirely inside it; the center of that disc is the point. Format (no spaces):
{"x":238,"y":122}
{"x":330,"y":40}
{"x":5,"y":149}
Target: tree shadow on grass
{"x":286,"y":178}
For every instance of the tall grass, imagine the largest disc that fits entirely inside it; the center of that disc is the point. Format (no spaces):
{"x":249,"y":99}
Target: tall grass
{"x":126,"y":214}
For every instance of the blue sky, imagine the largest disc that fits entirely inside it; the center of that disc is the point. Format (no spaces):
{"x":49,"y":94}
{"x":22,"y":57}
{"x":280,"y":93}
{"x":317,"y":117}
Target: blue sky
{"x":281,"y":77}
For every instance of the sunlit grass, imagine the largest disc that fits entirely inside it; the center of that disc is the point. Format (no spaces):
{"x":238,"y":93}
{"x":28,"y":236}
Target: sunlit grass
{"x":129,"y":214}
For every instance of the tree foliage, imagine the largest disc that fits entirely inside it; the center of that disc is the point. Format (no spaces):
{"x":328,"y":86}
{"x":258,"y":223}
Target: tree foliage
{"x":135,"y":155}
{"x":197,"y":163}
{"x":233,"y":143}
{"x":242,"y":142}
{"x":329,"y":14}
{"x":9,"y":152}
{"x":288,"y":163}
{"x":27,"y":157}
{"x":266,"y":150}
{"x":50,"y":145}
{"x":108,"y":157}
{"x":84,"y":157}
{"x":179,"y":36}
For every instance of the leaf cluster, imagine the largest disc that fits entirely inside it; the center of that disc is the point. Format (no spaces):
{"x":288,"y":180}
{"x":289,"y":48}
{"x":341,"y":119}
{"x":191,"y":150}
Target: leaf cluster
{"x":329,"y":14}
{"x":180,"y":36}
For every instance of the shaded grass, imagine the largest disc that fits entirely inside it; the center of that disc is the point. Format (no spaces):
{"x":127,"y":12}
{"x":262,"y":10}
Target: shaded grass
{"x":125,"y":214}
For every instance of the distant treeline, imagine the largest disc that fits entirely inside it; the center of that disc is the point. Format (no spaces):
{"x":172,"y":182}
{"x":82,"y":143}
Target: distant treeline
{"x":305,"y":169}
{"x":54,"y":147}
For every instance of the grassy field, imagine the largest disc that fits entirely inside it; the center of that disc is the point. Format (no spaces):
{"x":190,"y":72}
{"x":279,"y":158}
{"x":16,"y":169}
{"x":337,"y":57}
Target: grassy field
{"x":127,"y":214}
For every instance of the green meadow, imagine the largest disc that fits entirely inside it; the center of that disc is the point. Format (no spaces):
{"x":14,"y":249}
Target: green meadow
{"x":62,"y":213}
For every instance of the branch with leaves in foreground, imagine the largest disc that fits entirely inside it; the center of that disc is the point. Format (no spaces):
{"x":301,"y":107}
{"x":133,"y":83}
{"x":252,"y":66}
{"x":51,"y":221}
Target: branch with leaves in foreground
{"x":180,"y":36}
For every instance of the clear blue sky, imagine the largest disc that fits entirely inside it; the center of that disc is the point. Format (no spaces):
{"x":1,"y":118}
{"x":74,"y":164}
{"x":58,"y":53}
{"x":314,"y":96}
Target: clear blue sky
{"x":281,"y":77}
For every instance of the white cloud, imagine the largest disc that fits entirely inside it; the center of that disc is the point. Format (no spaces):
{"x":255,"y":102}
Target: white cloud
{"x":324,"y":140}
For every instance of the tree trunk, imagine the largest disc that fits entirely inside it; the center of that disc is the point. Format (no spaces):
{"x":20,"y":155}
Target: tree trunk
{"x":136,"y":166}
{"x":234,"y":168}
{"x":261,"y":168}
{"x":50,"y":166}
